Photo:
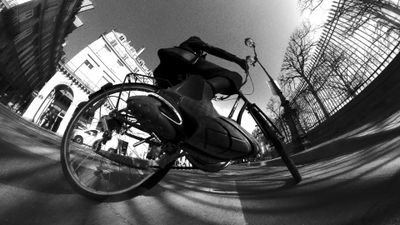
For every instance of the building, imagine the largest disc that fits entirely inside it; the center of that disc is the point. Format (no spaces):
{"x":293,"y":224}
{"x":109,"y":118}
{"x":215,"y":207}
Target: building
{"x":32,"y":33}
{"x":107,"y":60}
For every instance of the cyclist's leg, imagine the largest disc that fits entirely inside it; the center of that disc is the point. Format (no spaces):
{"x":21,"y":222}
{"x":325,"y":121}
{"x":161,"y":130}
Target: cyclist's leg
{"x":220,"y":80}
{"x":223,"y":139}
{"x":151,"y":111}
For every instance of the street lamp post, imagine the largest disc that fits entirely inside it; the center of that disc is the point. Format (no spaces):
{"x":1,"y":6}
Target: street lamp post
{"x":288,"y":111}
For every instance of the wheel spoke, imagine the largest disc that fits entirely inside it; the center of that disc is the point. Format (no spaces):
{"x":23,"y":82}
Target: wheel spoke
{"x":87,"y":165}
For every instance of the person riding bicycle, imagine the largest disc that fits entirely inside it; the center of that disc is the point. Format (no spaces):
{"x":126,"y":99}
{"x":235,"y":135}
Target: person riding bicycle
{"x":188,"y":82}
{"x":172,"y":66}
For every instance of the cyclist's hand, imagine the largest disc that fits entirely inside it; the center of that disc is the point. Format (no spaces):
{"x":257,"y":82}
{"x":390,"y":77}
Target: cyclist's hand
{"x":243,"y":63}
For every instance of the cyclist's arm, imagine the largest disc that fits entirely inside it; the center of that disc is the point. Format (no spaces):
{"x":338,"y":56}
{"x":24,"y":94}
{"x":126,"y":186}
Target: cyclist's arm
{"x":221,"y":53}
{"x":218,"y":52}
{"x":196,"y":43}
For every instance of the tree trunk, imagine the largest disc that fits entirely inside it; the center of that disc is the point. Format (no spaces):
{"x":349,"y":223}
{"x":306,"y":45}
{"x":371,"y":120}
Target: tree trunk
{"x":315,"y":94}
{"x":313,"y":111}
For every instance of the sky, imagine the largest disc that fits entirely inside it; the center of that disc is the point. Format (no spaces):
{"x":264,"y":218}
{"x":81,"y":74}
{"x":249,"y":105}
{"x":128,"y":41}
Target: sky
{"x":156,"y":24}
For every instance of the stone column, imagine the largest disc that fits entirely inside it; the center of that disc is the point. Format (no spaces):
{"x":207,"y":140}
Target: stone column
{"x":67,"y":117}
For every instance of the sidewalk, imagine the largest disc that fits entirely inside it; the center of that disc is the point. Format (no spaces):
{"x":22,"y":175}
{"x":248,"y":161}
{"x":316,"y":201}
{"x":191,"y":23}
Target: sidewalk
{"x":13,"y":117}
{"x":368,"y":135}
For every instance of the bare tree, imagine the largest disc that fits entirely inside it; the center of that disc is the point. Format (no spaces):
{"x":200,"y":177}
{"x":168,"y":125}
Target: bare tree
{"x":306,"y":111}
{"x":356,"y":41}
{"x":337,"y":60}
{"x":384,"y":12}
{"x":310,"y":4}
{"x":297,"y":61}
{"x":358,"y":12}
{"x":276,"y":111}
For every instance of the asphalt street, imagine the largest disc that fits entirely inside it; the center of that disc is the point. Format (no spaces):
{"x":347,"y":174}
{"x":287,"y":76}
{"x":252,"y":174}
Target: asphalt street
{"x":352,"y":179}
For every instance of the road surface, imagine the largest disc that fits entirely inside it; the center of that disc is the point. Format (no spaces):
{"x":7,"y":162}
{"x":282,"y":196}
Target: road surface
{"x":354,"y":179}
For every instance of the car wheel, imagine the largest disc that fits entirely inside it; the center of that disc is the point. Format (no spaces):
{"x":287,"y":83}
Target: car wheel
{"x":78,"y":139}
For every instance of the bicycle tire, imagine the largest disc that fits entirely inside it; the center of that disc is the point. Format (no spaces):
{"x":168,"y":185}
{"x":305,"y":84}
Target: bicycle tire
{"x":106,"y":178}
{"x":258,"y":116}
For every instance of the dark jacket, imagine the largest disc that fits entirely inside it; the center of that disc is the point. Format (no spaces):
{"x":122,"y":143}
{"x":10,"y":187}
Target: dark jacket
{"x":197,"y":46}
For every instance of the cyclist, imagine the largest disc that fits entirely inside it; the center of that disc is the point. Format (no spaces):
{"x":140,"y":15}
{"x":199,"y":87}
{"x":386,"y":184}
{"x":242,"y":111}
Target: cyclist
{"x":189,"y":95}
{"x":173,"y":65}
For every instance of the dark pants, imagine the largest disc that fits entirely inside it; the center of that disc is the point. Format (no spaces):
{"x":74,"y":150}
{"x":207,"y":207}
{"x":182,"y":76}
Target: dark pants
{"x":174,"y":69}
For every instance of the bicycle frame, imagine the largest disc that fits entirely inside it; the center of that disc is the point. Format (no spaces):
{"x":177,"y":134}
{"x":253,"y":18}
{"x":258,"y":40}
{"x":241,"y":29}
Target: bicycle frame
{"x":145,"y":171}
{"x":258,"y":115}
{"x":253,"y":109}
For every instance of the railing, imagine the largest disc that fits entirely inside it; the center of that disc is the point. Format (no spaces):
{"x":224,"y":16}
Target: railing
{"x":361,"y":52}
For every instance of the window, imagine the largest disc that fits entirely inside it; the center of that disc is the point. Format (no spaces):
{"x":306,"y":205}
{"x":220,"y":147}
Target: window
{"x":108,"y":48}
{"x":113,"y":42}
{"x":88,"y":64}
{"x":47,"y":37}
{"x":23,"y":34}
{"x":31,"y":42}
{"x":120,"y":63}
{"x":45,"y":45}
{"x":26,"y":15}
{"x":32,"y":75}
{"x":91,"y":132}
{"x":27,"y":61}
{"x":93,"y":60}
{"x":25,"y":52}
{"x":140,"y":61}
{"x":107,"y":77}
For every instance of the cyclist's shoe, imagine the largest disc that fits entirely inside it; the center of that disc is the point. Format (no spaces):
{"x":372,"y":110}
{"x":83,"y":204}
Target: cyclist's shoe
{"x":156,"y":114}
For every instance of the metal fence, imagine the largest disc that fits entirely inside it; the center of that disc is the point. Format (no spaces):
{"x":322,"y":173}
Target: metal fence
{"x":353,"y":50}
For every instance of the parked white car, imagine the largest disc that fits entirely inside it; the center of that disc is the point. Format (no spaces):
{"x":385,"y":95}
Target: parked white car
{"x":87,"y":137}
{"x":91,"y":137}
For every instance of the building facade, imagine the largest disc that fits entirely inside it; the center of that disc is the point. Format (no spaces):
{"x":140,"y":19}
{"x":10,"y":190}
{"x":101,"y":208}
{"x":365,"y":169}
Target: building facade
{"x":32,"y":34}
{"x":107,"y":60}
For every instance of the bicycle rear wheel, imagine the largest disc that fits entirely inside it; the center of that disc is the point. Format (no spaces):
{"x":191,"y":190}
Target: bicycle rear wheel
{"x":251,"y":117}
{"x":111,"y":162}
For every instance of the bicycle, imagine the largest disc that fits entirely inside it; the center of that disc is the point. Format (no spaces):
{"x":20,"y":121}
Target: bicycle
{"x":127,"y":161}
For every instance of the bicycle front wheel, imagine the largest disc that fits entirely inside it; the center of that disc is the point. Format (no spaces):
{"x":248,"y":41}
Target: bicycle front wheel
{"x":112,"y":161}
{"x":253,"y":119}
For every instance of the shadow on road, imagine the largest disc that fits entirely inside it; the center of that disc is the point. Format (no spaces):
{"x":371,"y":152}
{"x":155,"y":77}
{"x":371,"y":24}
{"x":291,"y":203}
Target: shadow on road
{"x":26,"y":170}
{"x":353,"y":179}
